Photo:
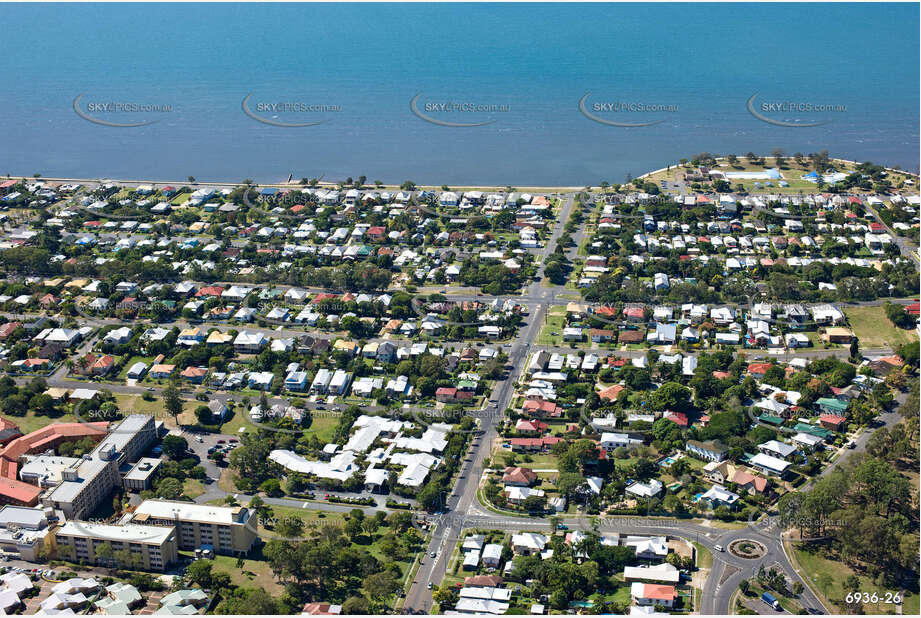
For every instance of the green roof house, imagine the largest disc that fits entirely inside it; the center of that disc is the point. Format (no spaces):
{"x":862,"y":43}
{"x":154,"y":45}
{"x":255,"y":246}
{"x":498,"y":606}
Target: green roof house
{"x":829,"y":405}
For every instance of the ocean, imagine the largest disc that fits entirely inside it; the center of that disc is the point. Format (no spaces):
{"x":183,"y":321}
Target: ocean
{"x":379,"y":89}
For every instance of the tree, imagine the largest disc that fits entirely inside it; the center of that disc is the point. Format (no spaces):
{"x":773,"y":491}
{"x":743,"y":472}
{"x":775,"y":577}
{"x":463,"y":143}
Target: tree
{"x":169,"y":488}
{"x":356,"y":606}
{"x":379,"y":586}
{"x":429,"y":497}
{"x":670,"y":396}
{"x":172,"y":402}
{"x":199,"y":572}
{"x":290,"y":527}
{"x":203,"y":414}
{"x":271,"y":487}
{"x":174,"y":447}
{"x":104,"y":553}
{"x":898,"y":315}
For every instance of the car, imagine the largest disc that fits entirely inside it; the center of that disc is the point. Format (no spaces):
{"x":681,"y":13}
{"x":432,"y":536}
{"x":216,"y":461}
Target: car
{"x":199,"y":438}
{"x":433,"y":554}
{"x":233,"y":440}
{"x":430,"y":586}
{"x":222,"y":441}
{"x":562,"y":527}
{"x":852,"y":444}
{"x":718,"y":548}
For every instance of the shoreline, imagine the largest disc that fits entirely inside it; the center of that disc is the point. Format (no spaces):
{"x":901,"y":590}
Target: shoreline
{"x":469,"y":187}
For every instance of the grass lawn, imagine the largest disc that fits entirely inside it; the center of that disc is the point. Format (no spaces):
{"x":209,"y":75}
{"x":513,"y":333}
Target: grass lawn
{"x":134,"y":404}
{"x":704,"y":557}
{"x":254,"y":574}
{"x":193,"y":488}
{"x":818,"y":563}
{"x":874,"y":330}
{"x":30,"y":422}
{"x":311,"y":519}
{"x":556,"y":320}
{"x":622,"y":595}
{"x":323,"y":426}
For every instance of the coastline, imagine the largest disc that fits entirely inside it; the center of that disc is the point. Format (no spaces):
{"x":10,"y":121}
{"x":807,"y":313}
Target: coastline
{"x":326,"y":183}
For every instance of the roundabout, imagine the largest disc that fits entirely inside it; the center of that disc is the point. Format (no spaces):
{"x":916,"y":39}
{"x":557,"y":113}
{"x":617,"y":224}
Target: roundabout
{"x":748,"y":549}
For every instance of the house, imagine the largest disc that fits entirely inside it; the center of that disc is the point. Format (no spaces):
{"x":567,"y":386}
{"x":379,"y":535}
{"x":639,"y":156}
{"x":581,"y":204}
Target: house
{"x":664,"y":334}
{"x":296,"y":381}
{"x":611,"y":440}
{"x":769,"y":465}
{"x":664,"y":572}
{"x":492,"y":555}
{"x":103,"y":365}
{"x":218,"y":409}
{"x":161,"y":371}
{"x":528,"y":543}
{"x":541,"y":408}
{"x":249,"y":342}
{"x":195,"y":375}
{"x":832,"y":422}
{"x":712,"y":450}
{"x":653,"y":594}
{"x":519,"y":477}
{"x":136,"y":371}
{"x":827,"y":314}
{"x":718,"y":496}
{"x":191,"y":336}
{"x":646,"y":490}
{"x":832,"y":406}
{"x":749,"y":482}
{"x":321,"y":609}
{"x":601,"y":335}
{"x":118,"y":336}
{"x":629,"y":336}
{"x":777,"y":449}
{"x":838,"y":334}
{"x":807,"y":441}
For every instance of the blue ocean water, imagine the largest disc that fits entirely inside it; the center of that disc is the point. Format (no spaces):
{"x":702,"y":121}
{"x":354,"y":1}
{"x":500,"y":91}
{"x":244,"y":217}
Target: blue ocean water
{"x":531,"y":63}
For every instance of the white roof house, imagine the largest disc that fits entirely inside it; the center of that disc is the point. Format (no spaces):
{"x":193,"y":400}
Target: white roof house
{"x":664,"y":572}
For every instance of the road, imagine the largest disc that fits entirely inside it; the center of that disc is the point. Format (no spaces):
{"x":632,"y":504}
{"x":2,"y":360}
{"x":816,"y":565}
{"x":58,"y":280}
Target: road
{"x":462,"y":499}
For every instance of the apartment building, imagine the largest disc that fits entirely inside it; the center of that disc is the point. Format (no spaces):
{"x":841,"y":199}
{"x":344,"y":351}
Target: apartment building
{"x":22,"y":531}
{"x":228,"y":529}
{"x":152,"y":548}
{"x":91,"y":479}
